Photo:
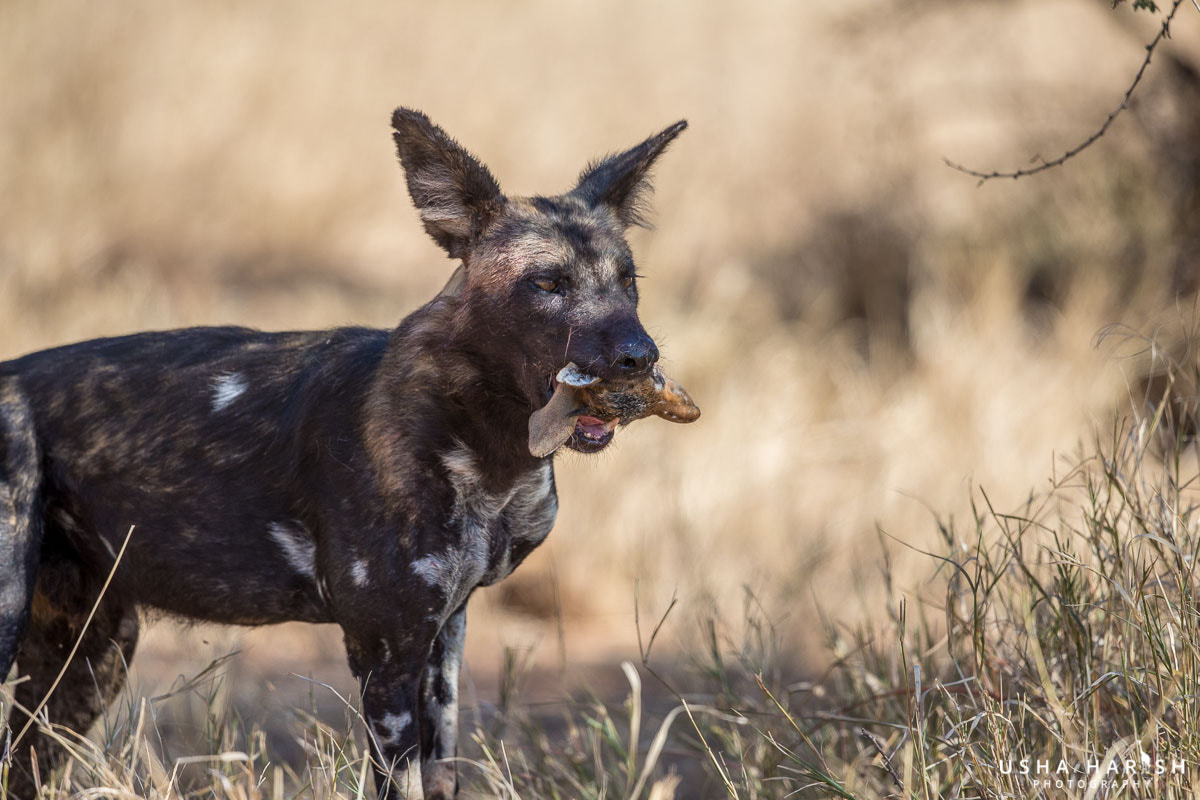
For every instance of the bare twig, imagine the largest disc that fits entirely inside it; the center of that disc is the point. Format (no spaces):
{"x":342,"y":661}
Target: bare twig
{"x":887,"y":762}
{"x":637,"y":622}
{"x":645,"y":651}
{"x":1163,"y":33}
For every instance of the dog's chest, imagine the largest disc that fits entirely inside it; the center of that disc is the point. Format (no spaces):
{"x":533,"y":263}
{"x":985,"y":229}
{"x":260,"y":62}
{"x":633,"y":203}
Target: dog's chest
{"x":488,"y":532}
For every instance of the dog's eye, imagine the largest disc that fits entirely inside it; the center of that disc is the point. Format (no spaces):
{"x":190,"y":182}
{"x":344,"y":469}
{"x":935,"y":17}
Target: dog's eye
{"x":548,"y":285}
{"x":627,"y":281}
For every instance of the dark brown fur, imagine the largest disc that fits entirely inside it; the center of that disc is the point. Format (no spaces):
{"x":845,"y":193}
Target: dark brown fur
{"x":364,"y":477}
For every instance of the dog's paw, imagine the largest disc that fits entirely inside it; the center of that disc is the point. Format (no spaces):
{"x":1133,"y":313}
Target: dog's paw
{"x":441,"y":781}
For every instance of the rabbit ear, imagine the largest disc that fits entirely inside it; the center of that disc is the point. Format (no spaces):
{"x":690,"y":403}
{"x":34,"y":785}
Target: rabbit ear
{"x":674,"y":403}
{"x":552,"y":424}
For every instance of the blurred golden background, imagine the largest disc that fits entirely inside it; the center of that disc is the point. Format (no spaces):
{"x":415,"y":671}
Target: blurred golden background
{"x":869,"y":333}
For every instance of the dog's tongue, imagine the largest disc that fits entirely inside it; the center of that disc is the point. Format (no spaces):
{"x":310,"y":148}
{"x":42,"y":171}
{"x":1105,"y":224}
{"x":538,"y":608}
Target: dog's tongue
{"x":552,"y":424}
{"x":593,"y":427}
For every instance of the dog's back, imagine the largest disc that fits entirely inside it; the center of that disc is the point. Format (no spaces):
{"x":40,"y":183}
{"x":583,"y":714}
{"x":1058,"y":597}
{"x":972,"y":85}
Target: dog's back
{"x":211,"y":442}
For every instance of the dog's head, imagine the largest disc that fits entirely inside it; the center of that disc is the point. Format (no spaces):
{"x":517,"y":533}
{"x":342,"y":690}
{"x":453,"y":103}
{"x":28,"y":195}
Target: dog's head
{"x":548,"y":280}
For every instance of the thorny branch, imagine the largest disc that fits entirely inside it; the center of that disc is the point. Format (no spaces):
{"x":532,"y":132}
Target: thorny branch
{"x":1163,"y":33}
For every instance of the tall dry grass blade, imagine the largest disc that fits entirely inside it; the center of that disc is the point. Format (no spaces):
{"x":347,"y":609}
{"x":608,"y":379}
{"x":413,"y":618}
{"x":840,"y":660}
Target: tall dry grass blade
{"x":635,"y":723}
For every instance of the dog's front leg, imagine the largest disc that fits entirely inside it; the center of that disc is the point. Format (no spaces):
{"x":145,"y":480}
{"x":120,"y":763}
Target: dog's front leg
{"x":389,"y":671}
{"x":439,"y":709}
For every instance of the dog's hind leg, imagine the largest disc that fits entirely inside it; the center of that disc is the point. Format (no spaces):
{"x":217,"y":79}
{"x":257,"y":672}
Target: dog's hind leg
{"x":91,"y":681}
{"x":20,"y":519}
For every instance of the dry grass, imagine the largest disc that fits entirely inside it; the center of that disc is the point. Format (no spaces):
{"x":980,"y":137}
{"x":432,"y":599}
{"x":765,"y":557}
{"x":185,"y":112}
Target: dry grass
{"x":1063,"y":633}
{"x":868,"y":333}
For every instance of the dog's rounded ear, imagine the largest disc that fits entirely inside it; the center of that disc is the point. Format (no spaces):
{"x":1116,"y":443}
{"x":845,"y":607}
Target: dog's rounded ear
{"x":622,"y":181}
{"x":455,"y":194}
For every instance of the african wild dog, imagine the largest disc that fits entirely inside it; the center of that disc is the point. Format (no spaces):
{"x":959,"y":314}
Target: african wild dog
{"x":370,"y":478}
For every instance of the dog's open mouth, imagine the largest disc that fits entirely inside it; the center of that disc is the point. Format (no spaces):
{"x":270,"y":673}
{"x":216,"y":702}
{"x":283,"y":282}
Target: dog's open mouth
{"x":592,"y":435}
{"x":582,"y":412}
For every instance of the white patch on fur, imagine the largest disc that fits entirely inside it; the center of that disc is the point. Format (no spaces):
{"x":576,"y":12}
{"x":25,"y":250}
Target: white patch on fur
{"x":108,"y":546}
{"x":455,"y":635}
{"x":358,"y":572}
{"x":438,"y":571}
{"x":297,"y":545}
{"x":391,"y":727}
{"x":528,"y":509}
{"x":533,"y":507}
{"x":226,"y":389}
{"x":389,"y":731}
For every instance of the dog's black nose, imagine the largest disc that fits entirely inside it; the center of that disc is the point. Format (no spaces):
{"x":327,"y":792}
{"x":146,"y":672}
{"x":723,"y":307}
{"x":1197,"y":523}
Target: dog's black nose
{"x":637,"y":355}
